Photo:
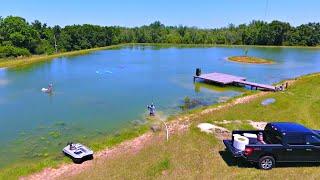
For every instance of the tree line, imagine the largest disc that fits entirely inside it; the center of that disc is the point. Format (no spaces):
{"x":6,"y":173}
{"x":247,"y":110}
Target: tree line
{"x":21,"y":38}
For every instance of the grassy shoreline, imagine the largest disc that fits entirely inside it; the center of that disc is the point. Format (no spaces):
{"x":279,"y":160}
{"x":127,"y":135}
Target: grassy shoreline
{"x":23,"y":61}
{"x":198,"y":155}
{"x":17,"y":62}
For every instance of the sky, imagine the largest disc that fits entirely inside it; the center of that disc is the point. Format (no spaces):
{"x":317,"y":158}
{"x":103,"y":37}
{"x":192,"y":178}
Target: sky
{"x":132,"y":13}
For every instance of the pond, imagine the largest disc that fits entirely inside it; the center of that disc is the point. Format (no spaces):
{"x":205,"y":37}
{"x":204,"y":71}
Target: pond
{"x":105,"y":91}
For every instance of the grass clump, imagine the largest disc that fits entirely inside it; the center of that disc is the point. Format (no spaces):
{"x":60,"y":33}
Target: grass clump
{"x":160,"y":167}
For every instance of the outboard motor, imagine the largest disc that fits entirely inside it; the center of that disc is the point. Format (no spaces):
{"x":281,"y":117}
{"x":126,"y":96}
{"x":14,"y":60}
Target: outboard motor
{"x":198,"y":72}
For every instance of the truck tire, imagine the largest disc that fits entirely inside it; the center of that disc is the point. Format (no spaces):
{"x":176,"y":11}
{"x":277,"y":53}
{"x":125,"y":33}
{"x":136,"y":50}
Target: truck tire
{"x":266,"y":162}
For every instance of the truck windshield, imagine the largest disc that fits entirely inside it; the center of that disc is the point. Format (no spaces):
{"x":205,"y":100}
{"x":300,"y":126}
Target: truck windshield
{"x":272,"y":136}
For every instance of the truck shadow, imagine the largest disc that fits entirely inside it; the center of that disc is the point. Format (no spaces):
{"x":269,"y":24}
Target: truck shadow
{"x":241,"y":163}
{"x":232,"y":161}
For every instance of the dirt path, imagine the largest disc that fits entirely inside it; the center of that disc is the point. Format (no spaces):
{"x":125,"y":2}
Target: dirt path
{"x":179,"y":125}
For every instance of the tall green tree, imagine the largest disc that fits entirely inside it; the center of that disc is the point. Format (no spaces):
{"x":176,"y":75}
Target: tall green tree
{"x":19,"y":38}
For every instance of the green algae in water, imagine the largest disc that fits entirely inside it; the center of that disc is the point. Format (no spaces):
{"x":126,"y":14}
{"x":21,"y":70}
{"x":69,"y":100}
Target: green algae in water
{"x":60,"y":123}
{"x":55,"y":134}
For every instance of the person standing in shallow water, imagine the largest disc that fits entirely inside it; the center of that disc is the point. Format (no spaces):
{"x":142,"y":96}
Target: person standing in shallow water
{"x":50,"y":86}
{"x":152,"y":110}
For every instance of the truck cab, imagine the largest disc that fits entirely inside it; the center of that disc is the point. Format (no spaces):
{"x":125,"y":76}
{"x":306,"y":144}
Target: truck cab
{"x":282,"y":142}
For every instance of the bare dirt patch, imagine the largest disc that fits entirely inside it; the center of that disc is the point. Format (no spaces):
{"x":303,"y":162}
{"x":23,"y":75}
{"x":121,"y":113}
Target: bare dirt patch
{"x":258,"y":125}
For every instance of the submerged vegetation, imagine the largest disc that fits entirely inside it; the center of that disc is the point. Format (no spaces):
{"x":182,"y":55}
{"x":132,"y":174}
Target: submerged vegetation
{"x":250,"y":60}
{"x":20,"y":38}
{"x":47,"y":158}
{"x":189,"y":103}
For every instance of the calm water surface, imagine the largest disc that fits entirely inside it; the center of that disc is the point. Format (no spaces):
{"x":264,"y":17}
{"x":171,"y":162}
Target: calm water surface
{"x":100,"y":93}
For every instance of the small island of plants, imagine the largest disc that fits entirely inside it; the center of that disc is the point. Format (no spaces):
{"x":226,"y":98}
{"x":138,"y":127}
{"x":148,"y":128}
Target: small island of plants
{"x":250,"y":60}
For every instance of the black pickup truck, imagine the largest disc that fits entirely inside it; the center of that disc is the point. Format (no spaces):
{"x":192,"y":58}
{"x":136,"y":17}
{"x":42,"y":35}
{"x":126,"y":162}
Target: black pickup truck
{"x":282,"y":142}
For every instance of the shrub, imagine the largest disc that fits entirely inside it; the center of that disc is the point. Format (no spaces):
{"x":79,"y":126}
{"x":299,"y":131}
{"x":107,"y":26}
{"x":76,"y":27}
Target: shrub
{"x":44,"y":48}
{"x":11,"y":51}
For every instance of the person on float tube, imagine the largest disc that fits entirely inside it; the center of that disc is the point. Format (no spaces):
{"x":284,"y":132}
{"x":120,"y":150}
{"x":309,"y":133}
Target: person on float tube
{"x":50,"y":86}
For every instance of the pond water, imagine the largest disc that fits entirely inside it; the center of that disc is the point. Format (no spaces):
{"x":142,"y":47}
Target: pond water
{"x":105,"y":91}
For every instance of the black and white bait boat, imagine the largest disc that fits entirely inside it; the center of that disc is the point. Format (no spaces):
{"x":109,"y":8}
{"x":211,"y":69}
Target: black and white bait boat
{"x":78,"y":152}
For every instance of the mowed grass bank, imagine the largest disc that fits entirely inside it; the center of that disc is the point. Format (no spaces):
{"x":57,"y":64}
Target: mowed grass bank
{"x":18,"y":62}
{"x":195,"y":155}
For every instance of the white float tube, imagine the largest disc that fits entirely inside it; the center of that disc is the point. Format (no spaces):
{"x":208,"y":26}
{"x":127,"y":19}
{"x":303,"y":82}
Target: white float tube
{"x":46,"y":90}
{"x":240,"y":142}
{"x":250,"y":135}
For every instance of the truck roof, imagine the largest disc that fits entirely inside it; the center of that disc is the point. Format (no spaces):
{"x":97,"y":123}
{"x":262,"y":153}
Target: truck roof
{"x":290,"y":127}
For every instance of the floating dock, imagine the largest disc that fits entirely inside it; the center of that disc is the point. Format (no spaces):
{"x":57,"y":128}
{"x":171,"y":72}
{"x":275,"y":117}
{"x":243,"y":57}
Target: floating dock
{"x":227,"y":79}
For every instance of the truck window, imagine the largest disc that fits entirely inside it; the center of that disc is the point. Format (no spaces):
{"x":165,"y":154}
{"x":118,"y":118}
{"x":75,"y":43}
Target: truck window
{"x":272,"y":136}
{"x":313,"y":140}
{"x":296,"y":139}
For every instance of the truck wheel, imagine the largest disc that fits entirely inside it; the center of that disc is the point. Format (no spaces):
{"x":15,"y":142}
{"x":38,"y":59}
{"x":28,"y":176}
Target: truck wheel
{"x":266,"y":162}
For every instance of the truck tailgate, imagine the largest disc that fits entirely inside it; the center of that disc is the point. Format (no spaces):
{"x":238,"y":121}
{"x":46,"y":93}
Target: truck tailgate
{"x":235,"y":152}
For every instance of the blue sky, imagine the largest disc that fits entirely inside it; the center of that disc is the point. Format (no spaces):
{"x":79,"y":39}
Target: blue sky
{"x":130,"y":13}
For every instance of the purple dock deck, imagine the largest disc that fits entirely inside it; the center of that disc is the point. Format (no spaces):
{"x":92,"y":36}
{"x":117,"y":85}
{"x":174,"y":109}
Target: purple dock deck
{"x":220,"y":78}
{"x":226,"y":79}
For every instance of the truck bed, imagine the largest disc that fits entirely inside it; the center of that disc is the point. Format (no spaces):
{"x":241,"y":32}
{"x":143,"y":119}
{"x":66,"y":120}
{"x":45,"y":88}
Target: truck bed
{"x":234,"y":151}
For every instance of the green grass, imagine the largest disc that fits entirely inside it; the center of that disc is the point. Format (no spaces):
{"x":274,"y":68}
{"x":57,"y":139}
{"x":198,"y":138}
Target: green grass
{"x":300,"y":103}
{"x":250,"y":60}
{"x":196,"y":155}
{"x":25,"y":168}
{"x":180,"y":157}
{"x":24,"y":61}
{"x":159,"y":167}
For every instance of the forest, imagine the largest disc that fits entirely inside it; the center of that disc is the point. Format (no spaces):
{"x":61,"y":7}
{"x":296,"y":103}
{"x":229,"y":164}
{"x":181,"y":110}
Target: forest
{"x":18,"y":37}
